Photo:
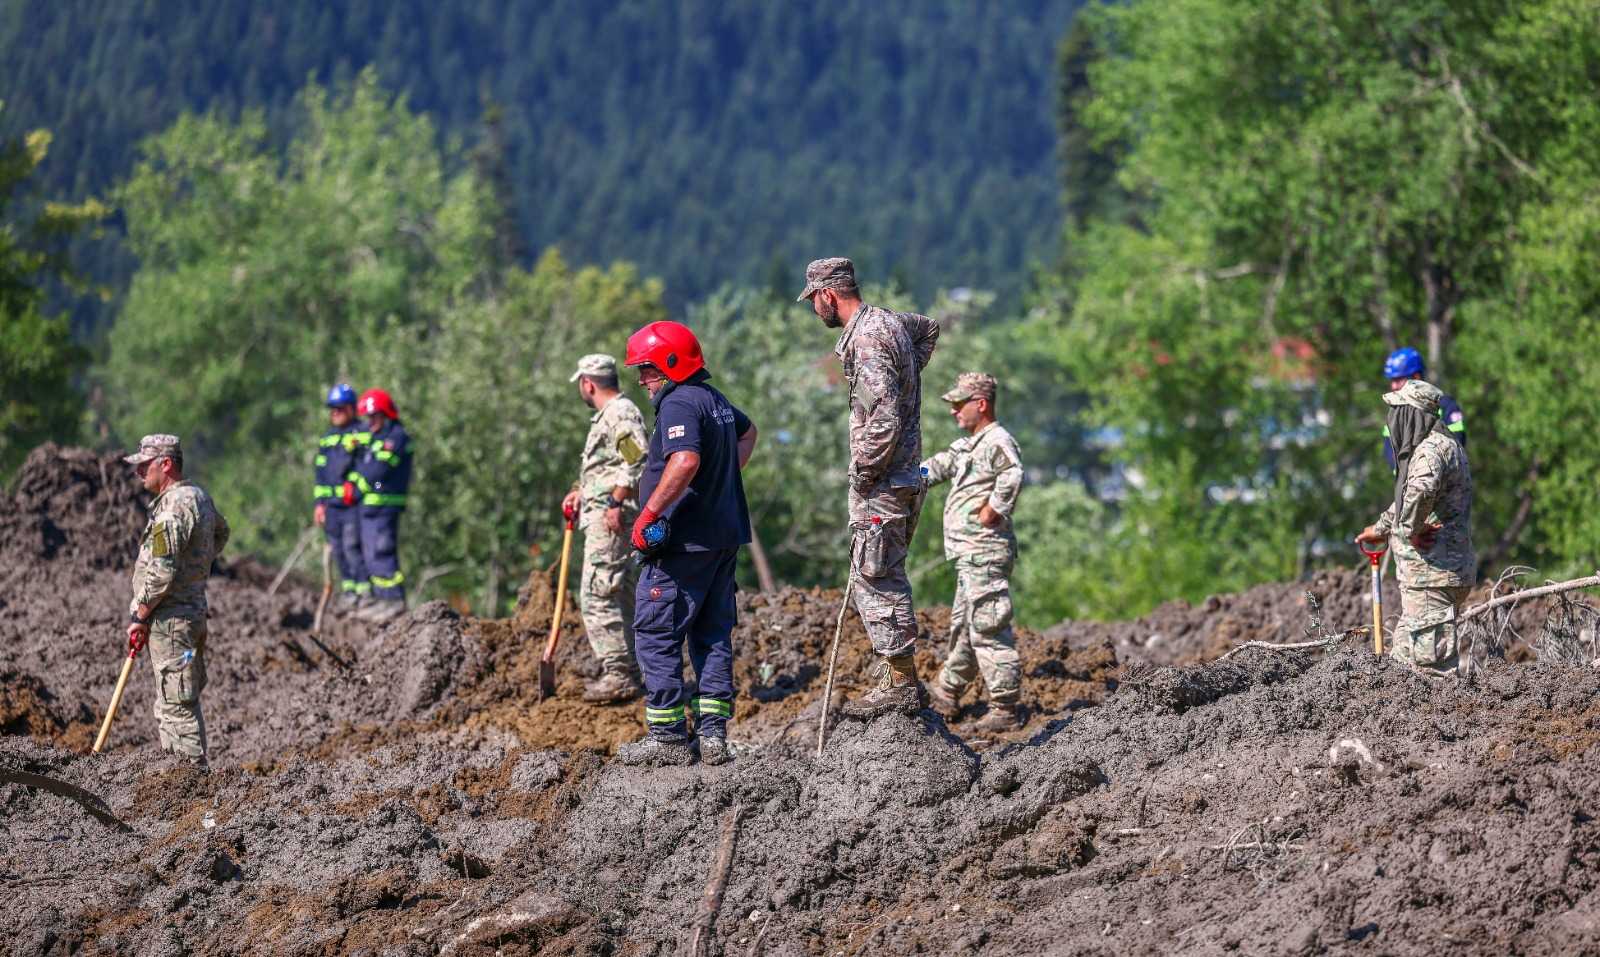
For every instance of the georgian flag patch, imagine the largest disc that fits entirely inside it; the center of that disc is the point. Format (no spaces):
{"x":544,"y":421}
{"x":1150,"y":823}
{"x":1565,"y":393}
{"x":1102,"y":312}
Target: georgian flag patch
{"x":674,"y":431}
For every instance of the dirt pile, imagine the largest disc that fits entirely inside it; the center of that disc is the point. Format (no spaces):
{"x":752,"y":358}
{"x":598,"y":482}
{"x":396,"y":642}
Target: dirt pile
{"x":402,"y":790}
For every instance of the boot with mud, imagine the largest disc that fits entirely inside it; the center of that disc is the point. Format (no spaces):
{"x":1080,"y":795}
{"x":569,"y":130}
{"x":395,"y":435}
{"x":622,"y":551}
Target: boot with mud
{"x":613,"y":687}
{"x":714,"y":750}
{"x":654,"y":751}
{"x":1003,"y":716}
{"x":946,"y":702}
{"x":896,"y":689}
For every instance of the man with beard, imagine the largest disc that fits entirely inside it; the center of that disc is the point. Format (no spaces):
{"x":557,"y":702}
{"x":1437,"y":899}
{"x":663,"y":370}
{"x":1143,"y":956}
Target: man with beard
{"x":184,"y":536}
{"x":883,"y":354}
{"x":1429,"y":526}
{"x":603,"y":499}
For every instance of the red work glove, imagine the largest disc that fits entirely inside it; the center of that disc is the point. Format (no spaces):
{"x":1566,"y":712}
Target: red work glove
{"x":138,"y":635}
{"x":348,"y":493}
{"x":645,"y":519}
{"x":568,"y":512}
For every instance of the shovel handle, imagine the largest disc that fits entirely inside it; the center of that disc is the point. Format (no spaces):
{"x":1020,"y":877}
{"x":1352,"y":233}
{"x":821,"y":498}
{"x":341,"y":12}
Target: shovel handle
{"x":116,"y":699}
{"x":1373,"y":555}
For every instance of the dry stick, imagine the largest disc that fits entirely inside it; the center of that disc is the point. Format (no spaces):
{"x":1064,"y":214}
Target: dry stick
{"x":1320,"y":642}
{"x":716,"y":885}
{"x":288,"y":566}
{"x":1593,"y":581}
{"x":89,"y":802}
{"x":833,"y":659}
{"x":755,"y":945}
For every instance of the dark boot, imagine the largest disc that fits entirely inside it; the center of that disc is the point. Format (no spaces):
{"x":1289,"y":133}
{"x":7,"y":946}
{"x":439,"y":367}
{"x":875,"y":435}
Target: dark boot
{"x":714,"y":750}
{"x":656,"y":752}
{"x":896,"y":688}
{"x":613,"y":687}
{"x":1003,"y":716}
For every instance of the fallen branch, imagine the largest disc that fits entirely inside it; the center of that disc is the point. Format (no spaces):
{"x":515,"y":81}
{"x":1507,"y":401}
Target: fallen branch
{"x":1593,"y":581}
{"x":1293,"y":645}
{"x":97,"y":808}
{"x":716,"y":885}
{"x":294,"y":556}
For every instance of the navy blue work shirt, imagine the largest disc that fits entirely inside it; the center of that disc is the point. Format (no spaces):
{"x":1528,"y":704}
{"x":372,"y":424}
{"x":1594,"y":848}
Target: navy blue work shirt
{"x":692,"y":416}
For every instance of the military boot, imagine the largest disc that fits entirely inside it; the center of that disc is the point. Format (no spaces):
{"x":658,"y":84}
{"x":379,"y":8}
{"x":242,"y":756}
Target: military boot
{"x":613,"y":687}
{"x":944,"y":701}
{"x":653,"y":751}
{"x":714,"y":750}
{"x":1003,"y":716}
{"x":896,"y":688}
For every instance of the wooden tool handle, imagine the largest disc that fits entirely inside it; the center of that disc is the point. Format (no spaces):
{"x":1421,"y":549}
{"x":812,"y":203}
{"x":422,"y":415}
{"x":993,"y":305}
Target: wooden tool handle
{"x":116,"y":699}
{"x":561,"y":596}
{"x":1377,"y":611}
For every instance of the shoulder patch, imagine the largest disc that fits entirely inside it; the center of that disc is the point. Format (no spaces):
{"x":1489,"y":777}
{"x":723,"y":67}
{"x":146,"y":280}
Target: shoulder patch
{"x":629,"y":449}
{"x":674,"y":431}
{"x":160,"y":545}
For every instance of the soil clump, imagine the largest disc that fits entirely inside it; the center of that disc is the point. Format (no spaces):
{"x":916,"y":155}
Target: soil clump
{"x":419,"y":799}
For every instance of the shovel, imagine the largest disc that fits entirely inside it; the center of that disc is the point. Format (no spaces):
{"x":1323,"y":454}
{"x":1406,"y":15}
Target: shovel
{"x":327,"y":588}
{"x":547,"y":661}
{"x":1375,"y":557}
{"x":116,"y":699}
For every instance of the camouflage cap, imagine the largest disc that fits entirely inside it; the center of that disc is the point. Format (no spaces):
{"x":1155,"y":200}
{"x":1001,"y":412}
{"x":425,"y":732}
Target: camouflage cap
{"x":597,"y":364}
{"x":153,"y":447}
{"x":971,"y":385}
{"x":1418,"y":394}
{"x":833,"y":273}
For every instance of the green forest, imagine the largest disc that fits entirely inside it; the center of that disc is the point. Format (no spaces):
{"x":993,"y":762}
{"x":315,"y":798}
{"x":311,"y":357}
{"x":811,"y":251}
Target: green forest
{"x":1182,"y":234}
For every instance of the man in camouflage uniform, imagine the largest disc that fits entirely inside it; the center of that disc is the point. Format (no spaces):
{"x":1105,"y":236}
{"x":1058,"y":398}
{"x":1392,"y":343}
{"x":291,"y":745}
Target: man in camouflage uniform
{"x":1429,"y":526}
{"x":985,"y":472}
{"x":883,"y":354}
{"x":184,"y":536}
{"x":605,"y":499}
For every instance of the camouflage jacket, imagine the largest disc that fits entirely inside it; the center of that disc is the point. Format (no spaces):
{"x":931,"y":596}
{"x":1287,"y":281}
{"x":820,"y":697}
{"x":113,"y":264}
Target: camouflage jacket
{"x":184,"y":536}
{"x":986,"y":467}
{"x":612,"y":455}
{"x":1438,"y":491}
{"x":884,"y":354}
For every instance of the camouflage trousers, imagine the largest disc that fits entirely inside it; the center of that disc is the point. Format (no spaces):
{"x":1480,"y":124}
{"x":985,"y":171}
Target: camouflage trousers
{"x":881,"y":526}
{"x":981,"y":639}
{"x":605,"y":596}
{"x":178,"y":657}
{"x":1425,"y":635}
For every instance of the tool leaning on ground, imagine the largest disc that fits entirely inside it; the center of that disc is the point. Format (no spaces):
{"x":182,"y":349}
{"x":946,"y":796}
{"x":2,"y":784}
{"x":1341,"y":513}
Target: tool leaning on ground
{"x":547,"y":661}
{"x":327,"y":589}
{"x":1374,"y":558}
{"x":116,"y":697}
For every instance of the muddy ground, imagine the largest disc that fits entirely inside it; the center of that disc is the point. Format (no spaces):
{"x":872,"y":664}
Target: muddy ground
{"x":413,"y":796}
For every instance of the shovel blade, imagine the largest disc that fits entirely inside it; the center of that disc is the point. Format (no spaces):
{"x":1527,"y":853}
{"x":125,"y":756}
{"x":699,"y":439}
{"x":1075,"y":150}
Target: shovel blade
{"x":547,"y":679}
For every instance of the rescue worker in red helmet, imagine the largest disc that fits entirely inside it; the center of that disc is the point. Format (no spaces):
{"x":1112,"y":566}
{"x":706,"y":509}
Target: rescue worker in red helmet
{"x":693,"y":520}
{"x":379,"y":485}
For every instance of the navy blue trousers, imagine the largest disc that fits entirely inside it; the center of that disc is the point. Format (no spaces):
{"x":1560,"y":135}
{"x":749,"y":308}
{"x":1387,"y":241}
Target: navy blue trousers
{"x":686,"y":598}
{"x":380,"y":548}
{"x":342,"y":525}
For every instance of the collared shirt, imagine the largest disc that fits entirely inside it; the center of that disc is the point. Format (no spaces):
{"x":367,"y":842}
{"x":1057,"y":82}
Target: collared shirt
{"x":983,"y":469}
{"x":693,"y":416}
{"x":613,"y":455}
{"x":184,"y":536}
{"x":883,"y":354}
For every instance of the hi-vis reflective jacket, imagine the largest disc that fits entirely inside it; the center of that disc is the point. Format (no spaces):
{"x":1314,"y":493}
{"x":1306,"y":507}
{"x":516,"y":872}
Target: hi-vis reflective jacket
{"x":338,"y":452}
{"x":383,"y":473}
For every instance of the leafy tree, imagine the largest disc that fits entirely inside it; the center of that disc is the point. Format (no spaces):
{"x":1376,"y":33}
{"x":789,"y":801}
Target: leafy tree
{"x":39,"y":362}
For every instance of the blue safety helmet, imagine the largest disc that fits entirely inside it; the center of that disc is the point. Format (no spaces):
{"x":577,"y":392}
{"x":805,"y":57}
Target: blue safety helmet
{"x":1402,"y":364}
{"x":341,"y":394}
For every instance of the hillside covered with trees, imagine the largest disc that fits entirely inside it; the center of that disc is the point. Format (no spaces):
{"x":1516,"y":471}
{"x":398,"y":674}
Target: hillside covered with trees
{"x":707,"y":141}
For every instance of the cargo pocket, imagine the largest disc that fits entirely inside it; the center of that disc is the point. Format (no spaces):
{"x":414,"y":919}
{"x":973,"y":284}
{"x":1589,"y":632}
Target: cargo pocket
{"x":880,"y":546}
{"x":655,"y":602}
{"x":991,"y":606}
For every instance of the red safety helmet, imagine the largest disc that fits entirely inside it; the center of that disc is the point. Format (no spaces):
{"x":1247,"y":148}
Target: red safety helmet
{"x":670,"y":347}
{"x":377,"y":400}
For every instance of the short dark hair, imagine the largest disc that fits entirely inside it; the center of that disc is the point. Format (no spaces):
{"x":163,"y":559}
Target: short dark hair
{"x":177,"y":461}
{"x":605,"y":381}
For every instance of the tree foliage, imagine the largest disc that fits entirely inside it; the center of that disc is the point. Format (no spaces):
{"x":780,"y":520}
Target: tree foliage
{"x":1317,"y":185}
{"x":39,"y":361}
{"x":698,"y":139}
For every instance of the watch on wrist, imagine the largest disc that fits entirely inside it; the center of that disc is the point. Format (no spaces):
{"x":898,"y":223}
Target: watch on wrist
{"x":133,"y":618}
{"x":616,"y":503}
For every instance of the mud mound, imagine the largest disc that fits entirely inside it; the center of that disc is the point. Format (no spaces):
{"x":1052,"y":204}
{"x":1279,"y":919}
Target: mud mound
{"x":74,"y":505}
